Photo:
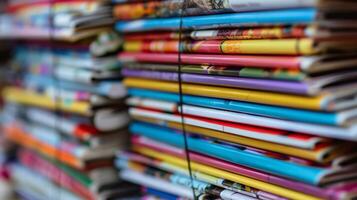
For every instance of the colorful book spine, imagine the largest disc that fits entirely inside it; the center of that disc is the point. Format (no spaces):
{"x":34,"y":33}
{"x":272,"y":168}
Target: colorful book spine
{"x":259,"y":61}
{"x":278,"y":47}
{"x":243,"y":5}
{"x":240,"y":106}
{"x":250,"y":33}
{"x":300,"y":88}
{"x":281,"y":17}
{"x":243,"y":33}
{"x":13,"y":94}
{"x":171,"y":8}
{"x":275,"y":74}
{"x":253,"y":96}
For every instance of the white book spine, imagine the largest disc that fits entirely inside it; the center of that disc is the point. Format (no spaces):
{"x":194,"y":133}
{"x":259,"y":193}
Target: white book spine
{"x":248,"y":5}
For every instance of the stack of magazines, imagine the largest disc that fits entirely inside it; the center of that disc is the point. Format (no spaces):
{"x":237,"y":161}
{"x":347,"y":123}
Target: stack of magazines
{"x":60,"y":19}
{"x":240,"y":99}
{"x":65,"y":107}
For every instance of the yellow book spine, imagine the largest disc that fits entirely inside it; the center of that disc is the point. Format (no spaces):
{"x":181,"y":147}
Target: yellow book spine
{"x":264,"y":186}
{"x":265,"y":46}
{"x":280,"y":46}
{"x":278,"y":99}
{"x":22,"y":96}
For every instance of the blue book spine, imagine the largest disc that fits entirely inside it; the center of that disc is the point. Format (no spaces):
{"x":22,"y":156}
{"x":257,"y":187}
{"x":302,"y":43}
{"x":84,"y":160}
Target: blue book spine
{"x":161,"y":194}
{"x":243,"y":107}
{"x":276,"y":17}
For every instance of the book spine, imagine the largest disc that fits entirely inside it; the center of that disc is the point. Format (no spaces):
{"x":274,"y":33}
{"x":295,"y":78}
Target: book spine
{"x":271,"y":98}
{"x":282,"y":17}
{"x":250,"y":33}
{"x":277,"y":47}
{"x":249,"y":5}
{"x":278,"y":74}
{"x":151,"y":9}
{"x":243,"y":33}
{"x":252,"y":61}
{"x":247,"y":83}
{"x":44,"y":101}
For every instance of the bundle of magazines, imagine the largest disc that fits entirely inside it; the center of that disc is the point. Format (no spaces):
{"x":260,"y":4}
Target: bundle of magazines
{"x":240,"y":99}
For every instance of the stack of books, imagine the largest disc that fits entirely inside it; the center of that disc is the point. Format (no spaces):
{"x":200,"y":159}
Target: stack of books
{"x":65,"y":106}
{"x":240,"y":99}
{"x":60,"y":19}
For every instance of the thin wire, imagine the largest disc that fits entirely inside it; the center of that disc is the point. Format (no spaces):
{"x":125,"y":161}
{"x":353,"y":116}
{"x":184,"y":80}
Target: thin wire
{"x":180,"y":104}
